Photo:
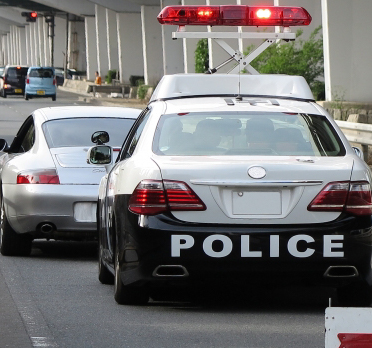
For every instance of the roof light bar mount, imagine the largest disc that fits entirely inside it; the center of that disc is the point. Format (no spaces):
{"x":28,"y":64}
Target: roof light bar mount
{"x":243,"y":62}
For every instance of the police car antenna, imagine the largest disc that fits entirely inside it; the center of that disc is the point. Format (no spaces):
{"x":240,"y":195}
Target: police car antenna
{"x":239,"y":97}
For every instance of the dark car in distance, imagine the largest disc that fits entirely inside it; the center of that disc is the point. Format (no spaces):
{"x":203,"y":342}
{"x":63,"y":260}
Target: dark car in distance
{"x":13,"y":80}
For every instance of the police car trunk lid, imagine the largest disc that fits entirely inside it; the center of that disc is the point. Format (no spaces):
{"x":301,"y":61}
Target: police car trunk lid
{"x":231,"y":195}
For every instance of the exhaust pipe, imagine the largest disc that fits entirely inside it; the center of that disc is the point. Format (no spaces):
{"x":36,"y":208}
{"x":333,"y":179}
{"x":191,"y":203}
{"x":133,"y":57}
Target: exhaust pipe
{"x":341,"y":272}
{"x":47,"y":228}
{"x":170,"y":271}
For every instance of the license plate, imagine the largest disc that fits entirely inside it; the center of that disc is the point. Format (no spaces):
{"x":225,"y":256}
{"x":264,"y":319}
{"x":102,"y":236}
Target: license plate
{"x":257,"y":203}
{"x":40,"y":92}
{"x":18,"y":90}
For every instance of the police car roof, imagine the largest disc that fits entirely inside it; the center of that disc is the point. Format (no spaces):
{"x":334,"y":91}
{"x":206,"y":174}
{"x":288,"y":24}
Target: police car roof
{"x":221,"y":104}
{"x":192,"y":85}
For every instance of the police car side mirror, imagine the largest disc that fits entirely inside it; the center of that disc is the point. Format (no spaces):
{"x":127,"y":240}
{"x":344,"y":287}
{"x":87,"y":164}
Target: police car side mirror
{"x":100,"y":154}
{"x":100,"y":137}
{"x":359,"y":152}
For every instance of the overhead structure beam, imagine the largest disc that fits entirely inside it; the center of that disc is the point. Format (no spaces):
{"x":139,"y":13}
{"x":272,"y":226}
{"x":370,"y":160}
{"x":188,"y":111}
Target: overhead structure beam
{"x":11,"y":14}
{"x":79,"y":8}
{"x":26,"y":4}
{"x":119,"y":6}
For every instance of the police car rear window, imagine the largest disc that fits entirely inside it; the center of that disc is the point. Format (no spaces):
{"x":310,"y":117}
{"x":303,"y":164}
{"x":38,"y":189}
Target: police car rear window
{"x":246,"y":133}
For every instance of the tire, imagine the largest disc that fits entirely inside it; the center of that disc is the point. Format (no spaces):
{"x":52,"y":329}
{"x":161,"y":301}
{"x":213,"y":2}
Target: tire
{"x":126,"y":294}
{"x":4,"y":94}
{"x":26,"y":96}
{"x":54,"y":98}
{"x":104,"y":275}
{"x":11,"y":242}
{"x":355,"y":295}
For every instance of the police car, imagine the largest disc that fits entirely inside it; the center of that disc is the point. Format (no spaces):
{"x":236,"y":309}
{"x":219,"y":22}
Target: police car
{"x":234,"y":178}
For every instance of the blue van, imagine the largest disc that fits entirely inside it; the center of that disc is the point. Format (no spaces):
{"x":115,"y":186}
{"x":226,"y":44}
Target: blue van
{"x":40,"y":83}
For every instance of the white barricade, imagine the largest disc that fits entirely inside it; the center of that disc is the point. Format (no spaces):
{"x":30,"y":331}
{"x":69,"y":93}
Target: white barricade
{"x":347,"y":327}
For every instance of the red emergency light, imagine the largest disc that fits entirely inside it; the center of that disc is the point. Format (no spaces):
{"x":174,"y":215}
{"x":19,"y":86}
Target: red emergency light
{"x":234,"y":15}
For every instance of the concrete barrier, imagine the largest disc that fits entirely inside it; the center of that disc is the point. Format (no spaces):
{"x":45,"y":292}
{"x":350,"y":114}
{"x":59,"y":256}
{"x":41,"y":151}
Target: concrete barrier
{"x":77,"y":85}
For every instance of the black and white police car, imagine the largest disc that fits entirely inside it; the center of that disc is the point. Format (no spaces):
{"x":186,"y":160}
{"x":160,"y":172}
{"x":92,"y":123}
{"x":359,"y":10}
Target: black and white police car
{"x":234,"y":178}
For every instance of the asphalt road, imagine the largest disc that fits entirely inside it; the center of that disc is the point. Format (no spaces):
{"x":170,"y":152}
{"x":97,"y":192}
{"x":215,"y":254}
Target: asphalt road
{"x":54,"y":299}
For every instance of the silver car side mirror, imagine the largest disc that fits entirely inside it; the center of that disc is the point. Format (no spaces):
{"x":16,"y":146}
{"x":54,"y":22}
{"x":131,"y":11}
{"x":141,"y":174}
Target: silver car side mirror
{"x":359,"y":152}
{"x":3,"y":145}
{"x":100,"y":137}
{"x":100,"y":154}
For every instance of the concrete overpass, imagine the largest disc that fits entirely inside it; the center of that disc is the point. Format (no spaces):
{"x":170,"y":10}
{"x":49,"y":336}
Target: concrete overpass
{"x":125,"y":35}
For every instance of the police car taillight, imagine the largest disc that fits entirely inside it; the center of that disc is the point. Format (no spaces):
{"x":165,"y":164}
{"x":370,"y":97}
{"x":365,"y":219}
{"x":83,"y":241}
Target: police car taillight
{"x":234,"y":15}
{"x":152,"y":197}
{"x":351,"y":197}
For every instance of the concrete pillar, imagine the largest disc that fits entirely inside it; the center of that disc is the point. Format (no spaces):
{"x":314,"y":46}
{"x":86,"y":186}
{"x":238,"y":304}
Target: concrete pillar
{"x":32,"y":44}
{"x":40,"y":38}
{"x":347,"y":49}
{"x":28,"y":44}
{"x":9,"y":50}
{"x":12,"y":45}
{"x":76,"y":46}
{"x":189,"y":45}
{"x":112,"y":40}
{"x":101,"y":36}
{"x":36,"y":60}
{"x":16,"y":45}
{"x":173,"y":61}
{"x":91,"y":47}
{"x":59,"y":41}
{"x":46,"y":44}
{"x":22,"y":46}
{"x":152,"y":45}
{"x":3,"y":50}
{"x":130,"y":45}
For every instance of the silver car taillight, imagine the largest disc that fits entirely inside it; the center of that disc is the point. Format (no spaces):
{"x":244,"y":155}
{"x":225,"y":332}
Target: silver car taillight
{"x":47,"y":176}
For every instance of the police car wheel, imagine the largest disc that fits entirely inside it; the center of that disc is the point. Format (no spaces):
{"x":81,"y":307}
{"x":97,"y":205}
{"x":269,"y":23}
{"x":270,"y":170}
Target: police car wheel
{"x":355,"y":295}
{"x":126,"y":294}
{"x":104,"y":275}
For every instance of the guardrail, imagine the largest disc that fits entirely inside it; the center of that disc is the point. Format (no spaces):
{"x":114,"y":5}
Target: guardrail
{"x":359,"y":133}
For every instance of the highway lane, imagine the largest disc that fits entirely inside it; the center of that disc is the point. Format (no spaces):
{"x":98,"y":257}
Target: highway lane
{"x":14,"y":110}
{"x":62,"y":304}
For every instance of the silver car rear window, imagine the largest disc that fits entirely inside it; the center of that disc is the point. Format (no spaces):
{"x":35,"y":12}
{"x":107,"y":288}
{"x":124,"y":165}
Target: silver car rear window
{"x":72,"y":132}
{"x":246,"y":133}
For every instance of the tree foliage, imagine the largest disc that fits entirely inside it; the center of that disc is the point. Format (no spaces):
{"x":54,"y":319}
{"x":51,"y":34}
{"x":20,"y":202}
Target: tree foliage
{"x":299,"y":57}
{"x":202,"y":56}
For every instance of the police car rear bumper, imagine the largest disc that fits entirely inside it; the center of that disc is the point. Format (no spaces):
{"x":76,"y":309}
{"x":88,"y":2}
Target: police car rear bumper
{"x":163,"y":249}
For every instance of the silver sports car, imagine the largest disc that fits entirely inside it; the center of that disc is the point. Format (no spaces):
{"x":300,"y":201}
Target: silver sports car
{"x":47,"y":188}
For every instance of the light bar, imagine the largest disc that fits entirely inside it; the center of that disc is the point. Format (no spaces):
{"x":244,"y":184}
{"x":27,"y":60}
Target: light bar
{"x":234,"y":15}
